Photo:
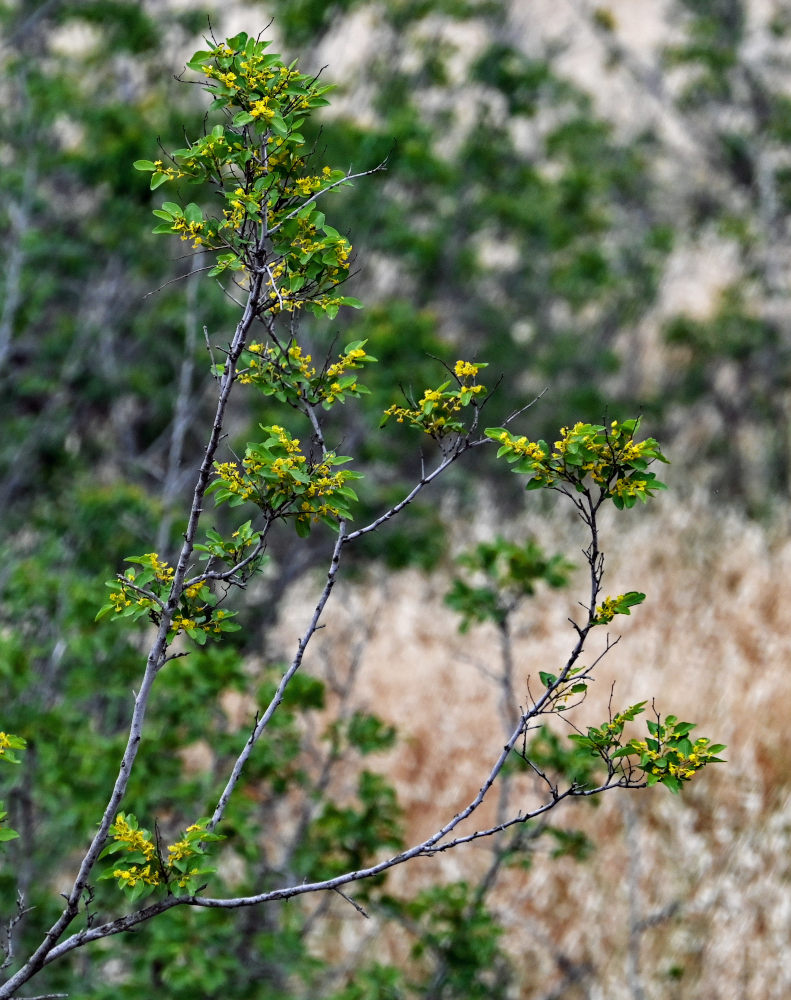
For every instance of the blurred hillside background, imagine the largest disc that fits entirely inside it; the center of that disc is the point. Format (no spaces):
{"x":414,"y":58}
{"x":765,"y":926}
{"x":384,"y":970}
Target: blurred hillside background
{"x":594,"y":199}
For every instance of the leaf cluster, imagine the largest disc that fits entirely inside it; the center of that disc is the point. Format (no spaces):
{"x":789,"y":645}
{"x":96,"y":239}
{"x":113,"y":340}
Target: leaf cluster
{"x":142,"y":867}
{"x":143,"y":593}
{"x":666,"y":757}
{"x":437,"y":411}
{"x":256,"y":163}
{"x":283,"y":482}
{"x":509,"y":573}
{"x":290,"y":377}
{"x":608,"y":458}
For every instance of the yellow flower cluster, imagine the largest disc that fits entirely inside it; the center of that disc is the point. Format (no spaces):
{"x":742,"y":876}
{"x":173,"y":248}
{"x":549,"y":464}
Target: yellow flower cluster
{"x":203,"y":153}
{"x":151,"y":873}
{"x":235,"y":218}
{"x":136,"y":843}
{"x":343,"y":251}
{"x":306,"y":245}
{"x":181,"y":849}
{"x":281,"y":299}
{"x":301,"y":362}
{"x":194,"y":231}
{"x":521,"y":446}
{"x":262,"y":109}
{"x":566,"y":434}
{"x":138,"y":873}
{"x":277,"y":477}
{"x":254,"y":75}
{"x":607,"y":610}
{"x":307,"y":185}
{"x":634,"y":449}
{"x":142,"y":591}
{"x":609,"y":456}
{"x":290,"y":444}
{"x":234,"y":480}
{"x":162,"y":571}
{"x":683,"y":767}
{"x":120,"y":599}
{"x":270,"y":370}
{"x":135,"y":840}
{"x":241,"y":483}
{"x":266,"y":99}
{"x":211,"y":624}
{"x":610,"y":451}
{"x":466,"y":369}
{"x":437,"y":408}
{"x":170,"y":172}
{"x":244,"y":205}
{"x":258,"y":77}
{"x":628,"y":487}
{"x":349,"y":360}
{"x":324,"y":481}
{"x":126,"y":596}
{"x":292,"y":373}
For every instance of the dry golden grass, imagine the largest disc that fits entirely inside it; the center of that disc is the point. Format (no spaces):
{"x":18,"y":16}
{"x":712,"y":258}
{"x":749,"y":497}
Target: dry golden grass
{"x":709,"y":870}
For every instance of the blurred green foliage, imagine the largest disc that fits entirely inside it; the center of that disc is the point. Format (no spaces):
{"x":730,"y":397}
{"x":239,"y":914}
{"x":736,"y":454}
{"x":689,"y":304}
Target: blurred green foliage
{"x":507,"y":574}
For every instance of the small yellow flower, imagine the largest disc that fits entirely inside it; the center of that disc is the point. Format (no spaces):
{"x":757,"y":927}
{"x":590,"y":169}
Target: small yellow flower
{"x":178,"y":851}
{"x":261,"y":109}
{"x":465,"y":369}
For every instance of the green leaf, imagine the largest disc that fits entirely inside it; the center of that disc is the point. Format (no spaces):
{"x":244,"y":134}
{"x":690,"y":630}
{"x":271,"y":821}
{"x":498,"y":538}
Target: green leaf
{"x":193,"y":213}
{"x":140,"y":891}
{"x":278,"y":126}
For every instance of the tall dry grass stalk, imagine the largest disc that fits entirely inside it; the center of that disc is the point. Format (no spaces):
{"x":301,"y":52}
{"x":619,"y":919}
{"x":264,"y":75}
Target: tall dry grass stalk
{"x":684,"y":896}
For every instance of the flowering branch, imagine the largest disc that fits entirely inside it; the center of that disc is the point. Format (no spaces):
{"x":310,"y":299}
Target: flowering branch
{"x":268,"y":227}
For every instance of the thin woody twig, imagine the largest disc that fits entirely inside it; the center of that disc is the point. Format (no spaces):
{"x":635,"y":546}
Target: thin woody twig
{"x":425,"y":479}
{"x":344,"y":180}
{"x":277,"y":698}
{"x":351,"y":902}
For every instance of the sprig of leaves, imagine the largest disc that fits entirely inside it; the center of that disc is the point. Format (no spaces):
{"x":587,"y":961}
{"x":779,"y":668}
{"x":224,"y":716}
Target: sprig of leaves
{"x":587,"y":455}
{"x":668,"y":756}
